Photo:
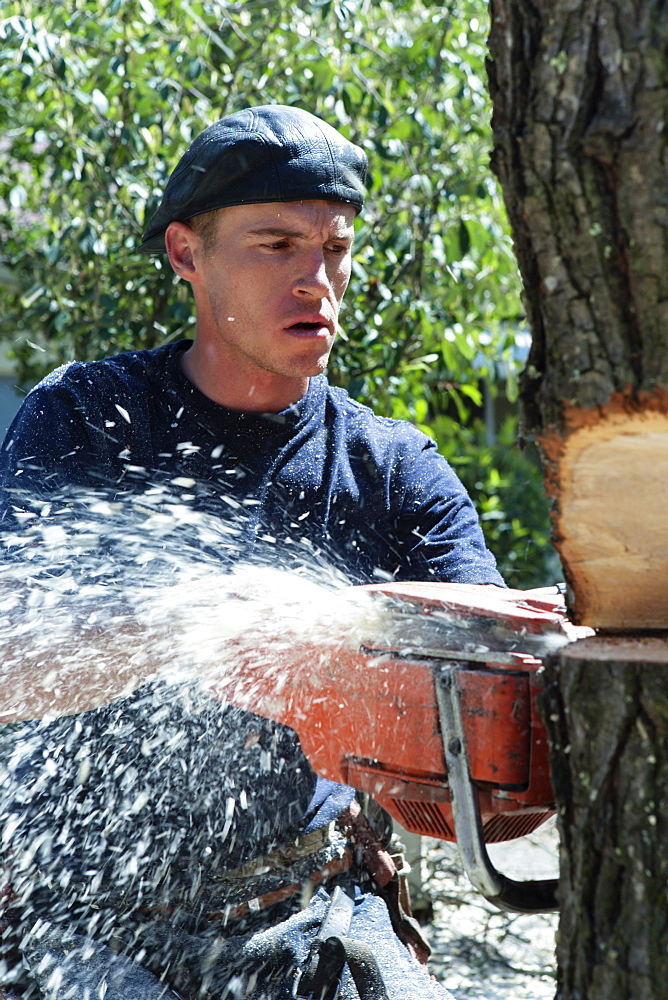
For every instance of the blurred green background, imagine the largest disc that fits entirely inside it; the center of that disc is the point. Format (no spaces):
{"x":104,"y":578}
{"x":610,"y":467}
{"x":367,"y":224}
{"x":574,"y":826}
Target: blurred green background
{"x":100,"y":98}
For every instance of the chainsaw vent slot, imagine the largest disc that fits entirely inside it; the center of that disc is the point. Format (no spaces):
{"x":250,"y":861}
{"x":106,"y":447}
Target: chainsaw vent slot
{"x":508,"y":826}
{"x":434,"y":819}
{"x":425,"y":818}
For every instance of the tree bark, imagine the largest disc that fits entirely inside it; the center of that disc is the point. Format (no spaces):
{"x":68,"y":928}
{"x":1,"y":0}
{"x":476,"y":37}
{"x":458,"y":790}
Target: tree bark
{"x":580,"y":95}
{"x":580,"y":98}
{"x":606,"y":703}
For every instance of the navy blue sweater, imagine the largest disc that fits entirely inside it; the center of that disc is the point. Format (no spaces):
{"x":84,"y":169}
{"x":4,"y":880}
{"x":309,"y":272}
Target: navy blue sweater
{"x":372,"y":496}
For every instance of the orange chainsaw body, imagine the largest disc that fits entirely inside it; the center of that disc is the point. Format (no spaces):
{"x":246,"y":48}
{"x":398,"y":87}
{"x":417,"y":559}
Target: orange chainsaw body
{"x":369,"y":717}
{"x":387,"y":742}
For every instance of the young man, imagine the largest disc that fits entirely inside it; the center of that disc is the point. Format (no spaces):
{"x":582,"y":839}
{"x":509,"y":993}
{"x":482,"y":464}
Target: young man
{"x":149,"y":871}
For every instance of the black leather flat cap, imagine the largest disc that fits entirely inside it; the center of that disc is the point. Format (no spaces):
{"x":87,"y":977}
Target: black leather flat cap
{"x":270,"y":153}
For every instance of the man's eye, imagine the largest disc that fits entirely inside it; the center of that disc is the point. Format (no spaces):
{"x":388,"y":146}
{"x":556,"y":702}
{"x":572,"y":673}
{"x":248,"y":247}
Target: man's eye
{"x":278,"y":245}
{"x":337,"y":248}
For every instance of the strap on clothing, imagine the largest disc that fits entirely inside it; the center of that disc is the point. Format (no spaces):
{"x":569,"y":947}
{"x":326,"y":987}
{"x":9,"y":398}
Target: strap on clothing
{"x":335,"y":867}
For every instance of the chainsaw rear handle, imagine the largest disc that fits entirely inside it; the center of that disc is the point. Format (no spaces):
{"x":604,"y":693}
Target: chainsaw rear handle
{"x":537,"y":896}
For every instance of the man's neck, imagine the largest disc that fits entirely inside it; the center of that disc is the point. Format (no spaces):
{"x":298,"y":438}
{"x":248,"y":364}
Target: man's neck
{"x":246,"y":391}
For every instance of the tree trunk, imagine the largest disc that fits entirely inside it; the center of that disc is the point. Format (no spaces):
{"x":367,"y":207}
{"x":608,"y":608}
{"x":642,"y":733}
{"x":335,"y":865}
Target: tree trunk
{"x":607,"y":711}
{"x":580,"y":95}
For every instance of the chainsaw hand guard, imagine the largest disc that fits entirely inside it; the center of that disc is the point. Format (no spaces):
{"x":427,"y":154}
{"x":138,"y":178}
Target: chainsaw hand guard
{"x":506,"y":893}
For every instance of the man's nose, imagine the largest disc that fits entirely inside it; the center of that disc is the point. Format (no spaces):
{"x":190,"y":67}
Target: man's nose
{"x":313,"y":279}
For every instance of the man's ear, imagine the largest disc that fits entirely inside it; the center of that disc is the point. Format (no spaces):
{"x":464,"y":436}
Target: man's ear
{"x":183,"y":248}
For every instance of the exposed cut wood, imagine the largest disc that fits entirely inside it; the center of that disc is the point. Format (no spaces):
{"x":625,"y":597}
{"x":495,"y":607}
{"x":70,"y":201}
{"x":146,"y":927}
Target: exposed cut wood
{"x":609,"y":480}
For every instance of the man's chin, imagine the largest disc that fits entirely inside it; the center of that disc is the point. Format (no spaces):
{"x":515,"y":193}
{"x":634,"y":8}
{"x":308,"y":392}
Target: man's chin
{"x":321,"y":367}
{"x":310,"y":367}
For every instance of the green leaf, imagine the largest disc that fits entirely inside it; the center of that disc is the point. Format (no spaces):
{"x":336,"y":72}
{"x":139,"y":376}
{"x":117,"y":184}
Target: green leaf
{"x":464,"y":238}
{"x":100,"y":101}
{"x":473,"y":393}
{"x":195,"y":68}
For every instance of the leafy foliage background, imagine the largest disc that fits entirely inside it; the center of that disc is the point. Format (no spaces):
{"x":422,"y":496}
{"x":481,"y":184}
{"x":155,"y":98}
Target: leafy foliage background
{"x":100,"y":98}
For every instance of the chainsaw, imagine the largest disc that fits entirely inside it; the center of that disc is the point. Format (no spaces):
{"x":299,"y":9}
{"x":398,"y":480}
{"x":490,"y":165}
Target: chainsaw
{"x":439,"y":722}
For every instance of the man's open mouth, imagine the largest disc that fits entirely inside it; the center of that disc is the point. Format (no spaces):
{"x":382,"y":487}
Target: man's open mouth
{"x":307,"y":327}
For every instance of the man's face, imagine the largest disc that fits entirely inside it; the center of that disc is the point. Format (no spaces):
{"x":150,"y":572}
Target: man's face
{"x":272,"y":284}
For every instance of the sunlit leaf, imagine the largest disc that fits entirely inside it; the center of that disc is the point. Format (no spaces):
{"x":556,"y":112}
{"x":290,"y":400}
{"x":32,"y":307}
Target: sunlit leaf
{"x":100,"y":101}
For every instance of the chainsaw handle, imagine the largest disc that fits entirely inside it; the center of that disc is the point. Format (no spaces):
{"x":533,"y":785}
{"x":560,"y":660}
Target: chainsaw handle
{"x":536,"y":896}
{"x":532,"y":896}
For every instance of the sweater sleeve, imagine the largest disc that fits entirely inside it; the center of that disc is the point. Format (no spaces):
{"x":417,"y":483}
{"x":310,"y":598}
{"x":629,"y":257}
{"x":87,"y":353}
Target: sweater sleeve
{"x":57,"y":441}
{"x":437,"y":526}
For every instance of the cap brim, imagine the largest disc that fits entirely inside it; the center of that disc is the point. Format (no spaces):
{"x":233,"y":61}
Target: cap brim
{"x":155,"y":245}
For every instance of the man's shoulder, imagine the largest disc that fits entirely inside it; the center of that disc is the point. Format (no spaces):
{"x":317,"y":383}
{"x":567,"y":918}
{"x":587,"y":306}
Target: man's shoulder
{"x":363,"y":421}
{"x":124,"y":370}
{"x":86,"y":384}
